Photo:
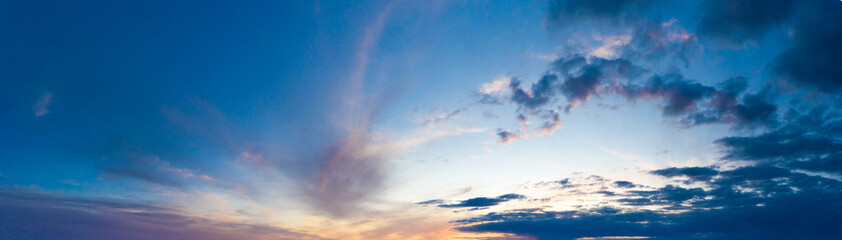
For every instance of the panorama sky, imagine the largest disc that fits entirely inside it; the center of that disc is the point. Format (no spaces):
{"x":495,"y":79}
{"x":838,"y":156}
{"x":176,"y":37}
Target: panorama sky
{"x":553,"y":119}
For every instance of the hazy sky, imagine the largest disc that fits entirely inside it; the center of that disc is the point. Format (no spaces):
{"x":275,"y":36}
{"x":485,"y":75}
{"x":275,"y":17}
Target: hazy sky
{"x":421,"y":119}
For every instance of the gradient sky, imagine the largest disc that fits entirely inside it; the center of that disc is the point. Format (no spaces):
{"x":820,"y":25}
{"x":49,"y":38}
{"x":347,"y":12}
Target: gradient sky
{"x":409,"y":119}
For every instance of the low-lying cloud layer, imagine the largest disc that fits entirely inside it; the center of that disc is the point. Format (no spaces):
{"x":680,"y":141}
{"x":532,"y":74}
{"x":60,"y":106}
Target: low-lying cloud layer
{"x":23,"y":214}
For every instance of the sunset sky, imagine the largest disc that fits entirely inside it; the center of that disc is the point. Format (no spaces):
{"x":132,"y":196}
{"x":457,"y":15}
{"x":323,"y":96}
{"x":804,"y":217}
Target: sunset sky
{"x":411,"y":119}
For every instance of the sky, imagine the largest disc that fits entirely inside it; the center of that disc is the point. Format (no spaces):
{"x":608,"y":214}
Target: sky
{"x":558,"y":119}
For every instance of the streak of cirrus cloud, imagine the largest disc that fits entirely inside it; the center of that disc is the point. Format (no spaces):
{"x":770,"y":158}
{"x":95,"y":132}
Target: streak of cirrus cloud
{"x":348,"y":171}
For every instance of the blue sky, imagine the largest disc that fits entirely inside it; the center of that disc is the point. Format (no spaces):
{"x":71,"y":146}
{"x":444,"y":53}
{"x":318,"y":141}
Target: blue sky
{"x":420,"y":119}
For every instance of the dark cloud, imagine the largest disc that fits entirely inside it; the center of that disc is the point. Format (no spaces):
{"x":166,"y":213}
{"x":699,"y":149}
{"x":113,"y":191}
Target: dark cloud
{"x":506,"y":136}
{"x":511,"y":196}
{"x":783,"y":218}
{"x":656,"y":42}
{"x":693,"y":173}
{"x":809,"y":141}
{"x":668,"y":195}
{"x":691,"y":102}
{"x":813,"y":56}
{"x":695,"y":104}
{"x":538,"y":95}
{"x":624,"y":184}
{"x":30,"y":215}
{"x":483,"y":201}
{"x":679,"y":94}
{"x":755,"y":110}
{"x":575,"y":77}
{"x":754,"y":202}
{"x":727,"y":96}
{"x":688,"y":101}
{"x":735,"y":22}
{"x":580,"y":88}
{"x":752,"y":111}
{"x":434,"y":201}
{"x":831,"y":163}
{"x":787,"y":143}
{"x":816,"y":25}
{"x":583,"y":78}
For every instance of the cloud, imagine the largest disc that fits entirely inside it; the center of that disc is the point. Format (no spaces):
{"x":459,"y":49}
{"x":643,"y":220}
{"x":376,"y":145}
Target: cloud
{"x":693,"y":173}
{"x":537,"y":96}
{"x":499,"y":85}
{"x":477,"y":202}
{"x":41,"y":107}
{"x":343,"y":175}
{"x":624,"y":184}
{"x":610,"y":47}
{"x":830,"y":163}
{"x":434,"y":201}
{"x":812,"y":58}
{"x":583,"y":78}
{"x":732,"y":207}
{"x":578,"y":78}
{"x":815,"y":25}
{"x":737,"y":22}
{"x":694,"y":104}
{"x":755,"y":110}
{"x":506,"y":136}
{"x":442,"y":117}
{"x":787,"y":143}
{"x":348,"y":169}
{"x":25,"y":212}
{"x":688,"y":101}
{"x":783,"y":218}
{"x":634,"y":159}
{"x":657,"y":42}
{"x":808,"y":141}
{"x":496,"y":91}
{"x":680,"y":95}
{"x":552,"y":125}
{"x":127,"y":158}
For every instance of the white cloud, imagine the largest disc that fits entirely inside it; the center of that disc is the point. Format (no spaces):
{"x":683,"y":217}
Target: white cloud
{"x":499,"y":86}
{"x":610,"y":46}
{"x":393,"y":144}
{"x":635,"y":159}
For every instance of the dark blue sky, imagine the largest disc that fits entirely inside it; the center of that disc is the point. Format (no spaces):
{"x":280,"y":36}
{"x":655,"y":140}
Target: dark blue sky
{"x":560,"y":119}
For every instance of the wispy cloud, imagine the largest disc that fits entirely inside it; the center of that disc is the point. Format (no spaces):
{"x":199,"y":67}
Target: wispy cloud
{"x":632,"y":158}
{"x":86,"y":218}
{"x":42,"y":107}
